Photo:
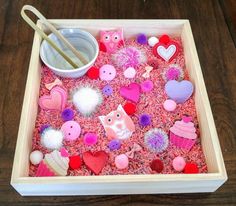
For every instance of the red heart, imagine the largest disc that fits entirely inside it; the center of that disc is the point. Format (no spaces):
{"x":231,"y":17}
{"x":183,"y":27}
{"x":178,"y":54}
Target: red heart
{"x":95,"y":161}
{"x":166,"y":52}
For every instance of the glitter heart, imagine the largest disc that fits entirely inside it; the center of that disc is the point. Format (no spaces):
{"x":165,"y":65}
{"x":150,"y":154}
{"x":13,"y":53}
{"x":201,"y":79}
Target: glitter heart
{"x":131,"y":92}
{"x":55,"y":101}
{"x":95,"y":161}
{"x":179,"y":91}
{"x":167,"y":52}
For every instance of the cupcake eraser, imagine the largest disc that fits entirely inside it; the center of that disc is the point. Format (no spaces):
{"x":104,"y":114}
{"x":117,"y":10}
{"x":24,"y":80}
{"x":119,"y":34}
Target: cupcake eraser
{"x":53,"y":164}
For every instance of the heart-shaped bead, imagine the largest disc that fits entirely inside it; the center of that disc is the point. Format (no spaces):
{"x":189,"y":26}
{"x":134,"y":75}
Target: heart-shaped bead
{"x":55,"y":101}
{"x":179,"y":91}
{"x":95,"y":161}
{"x":131,"y":92}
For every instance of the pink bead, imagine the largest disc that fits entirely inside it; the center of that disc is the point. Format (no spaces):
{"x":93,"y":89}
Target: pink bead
{"x":179,"y":163}
{"x":71,"y":130}
{"x":169,"y":105}
{"x":121,"y":161}
{"x":90,"y":138}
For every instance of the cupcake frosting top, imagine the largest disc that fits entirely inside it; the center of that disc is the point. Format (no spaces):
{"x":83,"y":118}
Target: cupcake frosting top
{"x":184,"y":128}
{"x":57,"y":162}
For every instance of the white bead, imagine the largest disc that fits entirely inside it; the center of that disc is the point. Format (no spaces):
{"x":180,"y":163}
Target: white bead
{"x":152,"y":41}
{"x":36,"y":157}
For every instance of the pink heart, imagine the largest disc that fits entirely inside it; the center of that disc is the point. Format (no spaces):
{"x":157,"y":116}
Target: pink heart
{"x":131,"y":92}
{"x":55,"y":101}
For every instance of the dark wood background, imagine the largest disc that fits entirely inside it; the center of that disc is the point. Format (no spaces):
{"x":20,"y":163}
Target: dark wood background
{"x":213,"y":23}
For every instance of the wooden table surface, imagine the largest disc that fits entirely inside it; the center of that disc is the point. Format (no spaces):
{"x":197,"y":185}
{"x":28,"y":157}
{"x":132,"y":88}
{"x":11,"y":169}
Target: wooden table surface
{"x":213,"y":23}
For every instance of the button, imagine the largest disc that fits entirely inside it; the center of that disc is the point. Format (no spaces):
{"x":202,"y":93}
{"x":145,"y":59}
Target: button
{"x":107,"y":90}
{"x":107,"y":72}
{"x":71,"y":130}
{"x":114,"y":144}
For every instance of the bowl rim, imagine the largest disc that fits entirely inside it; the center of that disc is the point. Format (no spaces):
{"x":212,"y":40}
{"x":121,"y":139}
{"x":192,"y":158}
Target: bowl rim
{"x":76,"y":69}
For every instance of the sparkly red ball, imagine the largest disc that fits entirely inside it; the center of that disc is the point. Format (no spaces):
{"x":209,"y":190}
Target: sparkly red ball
{"x":165,"y":39}
{"x":190,"y":168}
{"x":157,"y":165}
{"x":130,"y":108}
{"x":75,"y":162}
{"x":93,"y":73}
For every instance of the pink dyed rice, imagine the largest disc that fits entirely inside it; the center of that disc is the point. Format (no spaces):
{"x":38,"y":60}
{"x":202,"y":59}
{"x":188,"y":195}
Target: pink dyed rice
{"x":150,"y":103}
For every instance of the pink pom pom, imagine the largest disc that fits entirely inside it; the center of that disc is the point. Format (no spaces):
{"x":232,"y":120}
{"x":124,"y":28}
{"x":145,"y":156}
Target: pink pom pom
{"x":129,"y":57}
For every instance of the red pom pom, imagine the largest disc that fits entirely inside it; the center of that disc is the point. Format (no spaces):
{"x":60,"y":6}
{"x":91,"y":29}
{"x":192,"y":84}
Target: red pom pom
{"x":191,"y":168}
{"x":93,"y":73}
{"x":157,"y":165}
{"x":165,"y":39}
{"x":75,"y":162}
{"x":130,"y":108}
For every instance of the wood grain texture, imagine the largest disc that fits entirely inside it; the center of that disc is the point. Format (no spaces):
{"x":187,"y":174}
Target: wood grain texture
{"x":217,"y":54}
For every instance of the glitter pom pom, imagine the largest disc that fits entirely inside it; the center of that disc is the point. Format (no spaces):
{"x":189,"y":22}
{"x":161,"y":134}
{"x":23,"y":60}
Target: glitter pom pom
{"x":129,"y":57}
{"x":156,"y":140}
{"x":173,"y":72}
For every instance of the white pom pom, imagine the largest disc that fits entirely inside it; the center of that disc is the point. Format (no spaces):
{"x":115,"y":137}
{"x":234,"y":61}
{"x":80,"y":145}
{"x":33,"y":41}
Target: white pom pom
{"x":87,"y":99}
{"x":152,"y":41}
{"x":36,"y":157}
{"x":52,"y":138}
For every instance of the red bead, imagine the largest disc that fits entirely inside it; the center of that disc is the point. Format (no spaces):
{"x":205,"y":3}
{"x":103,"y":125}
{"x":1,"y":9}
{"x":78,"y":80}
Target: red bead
{"x":75,"y":162}
{"x":157,"y":165}
{"x":93,"y":73}
{"x":165,"y":39}
{"x":190,"y":168}
{"x":130,"y":108}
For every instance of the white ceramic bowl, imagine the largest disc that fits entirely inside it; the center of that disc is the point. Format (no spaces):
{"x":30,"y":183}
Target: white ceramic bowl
{"x":83,"y":41}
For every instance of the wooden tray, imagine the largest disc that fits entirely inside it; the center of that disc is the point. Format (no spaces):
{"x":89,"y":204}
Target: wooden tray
{"x":122,"y":184}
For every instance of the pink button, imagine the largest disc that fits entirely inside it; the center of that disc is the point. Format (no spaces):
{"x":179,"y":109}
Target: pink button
{"x":107,"y":72}
{"x":71,"y":130}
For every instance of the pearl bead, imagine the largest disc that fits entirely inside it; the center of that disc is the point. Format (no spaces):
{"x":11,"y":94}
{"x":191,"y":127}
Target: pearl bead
{"x":152,"y":41}
{"x":179,"y":163}
{"x":36,"y":157}
{"x":169,"y":105}
{"x":121,"y":161}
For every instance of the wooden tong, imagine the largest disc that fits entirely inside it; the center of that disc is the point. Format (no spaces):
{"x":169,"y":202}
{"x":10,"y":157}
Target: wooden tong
{"x":54,"y":31}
